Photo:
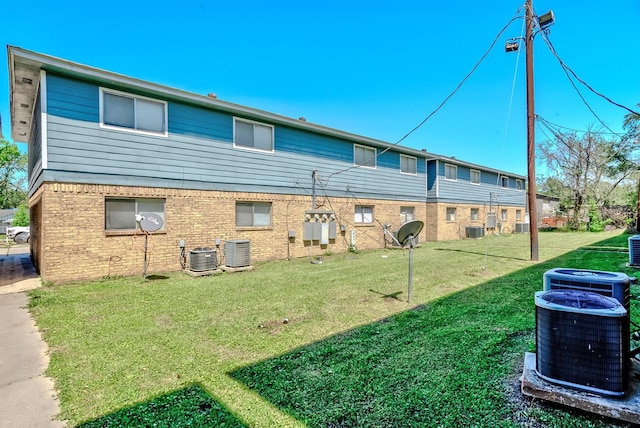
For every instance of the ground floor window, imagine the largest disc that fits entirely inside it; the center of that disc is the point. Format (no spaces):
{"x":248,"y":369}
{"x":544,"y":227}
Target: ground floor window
{"x":363,"y":214}
{"x":451,"y":214}
{"x":406,"y":214}
{"x":503,"y":215}
{"x":518,"y":215}
{"x":475,"y":214}
{"x":120,"y":213}
{"x":253,"y":214}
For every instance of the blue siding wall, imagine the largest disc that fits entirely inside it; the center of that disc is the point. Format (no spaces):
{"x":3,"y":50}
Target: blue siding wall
{"x":72,"y":99}
{"x":198,"y":122}
{"x":462,"y":191}
{"x":199,"y":153}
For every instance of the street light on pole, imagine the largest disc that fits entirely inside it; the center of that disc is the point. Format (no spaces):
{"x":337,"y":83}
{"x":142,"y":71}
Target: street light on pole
{"x":511,"y":46}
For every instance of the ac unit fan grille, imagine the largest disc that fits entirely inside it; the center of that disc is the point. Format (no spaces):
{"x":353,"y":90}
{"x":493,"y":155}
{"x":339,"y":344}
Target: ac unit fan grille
{"x":609,"y":284}
{"x":634,"y":250}
{"x":603,"y":289}
{"x":237,"y":253}
{"x":586,"y":351}
{"x":202,"y":259}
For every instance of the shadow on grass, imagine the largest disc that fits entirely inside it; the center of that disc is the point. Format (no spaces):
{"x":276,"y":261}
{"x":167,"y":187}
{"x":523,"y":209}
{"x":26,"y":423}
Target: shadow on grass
{"x":480,"y":253}
{"x":388,"y":296}
{"x":452,"y":362}
{"x":191,"y":406}
{"x":156,"y":277}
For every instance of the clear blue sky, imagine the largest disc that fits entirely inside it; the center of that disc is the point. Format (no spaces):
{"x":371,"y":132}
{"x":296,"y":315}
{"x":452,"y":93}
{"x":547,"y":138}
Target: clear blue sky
{"x":374,"y":68}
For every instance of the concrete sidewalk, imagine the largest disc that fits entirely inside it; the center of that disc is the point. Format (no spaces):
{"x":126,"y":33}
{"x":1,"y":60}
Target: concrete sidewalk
{"x":16,"y":270}
{"x":28,"y":397}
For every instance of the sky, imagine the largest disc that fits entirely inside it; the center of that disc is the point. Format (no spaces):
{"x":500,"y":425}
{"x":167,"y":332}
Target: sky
{"x":375,"y":68}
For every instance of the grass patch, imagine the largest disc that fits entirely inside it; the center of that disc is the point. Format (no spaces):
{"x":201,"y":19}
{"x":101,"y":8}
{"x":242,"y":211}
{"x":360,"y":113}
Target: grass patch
{"x":332,"y":344}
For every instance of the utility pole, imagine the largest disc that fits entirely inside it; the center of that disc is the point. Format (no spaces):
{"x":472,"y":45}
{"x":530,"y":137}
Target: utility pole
{"x":531,"y":142}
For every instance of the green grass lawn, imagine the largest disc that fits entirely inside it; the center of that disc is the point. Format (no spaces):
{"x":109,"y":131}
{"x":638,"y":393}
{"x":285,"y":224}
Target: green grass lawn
{"x":352,"y":351}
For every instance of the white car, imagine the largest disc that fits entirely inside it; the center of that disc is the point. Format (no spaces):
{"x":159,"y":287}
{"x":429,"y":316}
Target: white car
{"x":14,"y":231}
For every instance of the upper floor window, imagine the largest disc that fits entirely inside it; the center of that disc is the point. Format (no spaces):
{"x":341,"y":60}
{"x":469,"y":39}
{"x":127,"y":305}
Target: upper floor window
{"x":252,"y":135}
{"x":450,"y":172}
{"x":475,"y":176}
{"x":505,"y":182}
{"x":408,"y":164}
{"x":406,"y":214}
{"x":363,"y":214}
{"x":132,"y":112}
{"x":519,"y":185}
{"x":120,"y":213}
{"x":364,"y":156}
{"x":253,"y":214}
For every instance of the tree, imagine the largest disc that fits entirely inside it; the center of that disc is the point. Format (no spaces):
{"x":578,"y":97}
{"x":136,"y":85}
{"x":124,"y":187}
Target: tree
{"x":587,"y":167}
{"x":631,"y":125}
{"x":13,"y":173}
{"x":21,"y":217}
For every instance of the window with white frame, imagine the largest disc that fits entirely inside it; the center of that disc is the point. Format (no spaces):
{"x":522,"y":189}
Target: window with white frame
{"x":406,"y":214}
{"x":505,"y":182}
{"x":132,"y":112}
{"x":475,"y":176}
{"x":252,"y":135}
{"x":503,"y":215}
{"x":451,"y":214}
{"x":518,"y":215}
{"x":120,"y":213}
{"x":475,"y":214}
{"x":364,"y":156}
{"x":408,"y":164}
{"x":450,"y":172}
{"x":519,"y":185}
{"x":253,"y":214}
{"x":363,"y":214}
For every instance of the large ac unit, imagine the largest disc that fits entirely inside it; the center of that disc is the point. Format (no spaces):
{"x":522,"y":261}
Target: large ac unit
{"x":202,"y":259}
{"x":634,"y":250}
{"x":474,"y":231}
{"x":582,"y":341}
{"x":522,"y":227}
{"x":609,"y":284}
{"x":237,"y":253}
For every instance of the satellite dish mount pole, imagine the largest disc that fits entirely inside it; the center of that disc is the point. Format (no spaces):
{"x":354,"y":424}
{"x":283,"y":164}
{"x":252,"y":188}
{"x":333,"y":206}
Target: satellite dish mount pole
{"x":148,"y":222}
{"x":410,"y":290}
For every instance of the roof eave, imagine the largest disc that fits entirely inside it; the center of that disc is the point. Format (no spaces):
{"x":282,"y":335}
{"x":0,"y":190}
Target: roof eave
{"x":64,"y":66}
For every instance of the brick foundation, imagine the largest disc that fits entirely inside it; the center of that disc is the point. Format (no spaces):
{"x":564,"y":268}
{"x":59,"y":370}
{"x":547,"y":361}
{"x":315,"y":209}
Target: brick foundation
{"x":69,"y":242}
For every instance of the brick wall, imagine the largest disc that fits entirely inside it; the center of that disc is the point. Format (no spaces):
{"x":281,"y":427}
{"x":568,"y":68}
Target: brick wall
{"x":72,"y":244}
{"x":439,"y":229}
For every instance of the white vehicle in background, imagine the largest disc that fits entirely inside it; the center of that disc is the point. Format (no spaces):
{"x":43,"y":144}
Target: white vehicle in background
{"x":16,"y":232}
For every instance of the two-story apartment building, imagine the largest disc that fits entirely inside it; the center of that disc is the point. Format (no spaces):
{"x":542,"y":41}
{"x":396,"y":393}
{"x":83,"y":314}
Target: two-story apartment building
{"x":104,"y":147}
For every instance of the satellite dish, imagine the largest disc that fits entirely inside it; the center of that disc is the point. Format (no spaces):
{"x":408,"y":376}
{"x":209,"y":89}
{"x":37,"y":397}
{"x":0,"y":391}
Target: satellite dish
{"x":406,"y":236}
{"x":150,"y":222}
{"x":408,"y":231}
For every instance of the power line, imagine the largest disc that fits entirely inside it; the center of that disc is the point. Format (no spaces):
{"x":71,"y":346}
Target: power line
{"x":493,"y":43}
{"x":447,"y":98}
{"x":513,"y":84}
{"x":568,"y":70}
{"x":542,"y":119}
